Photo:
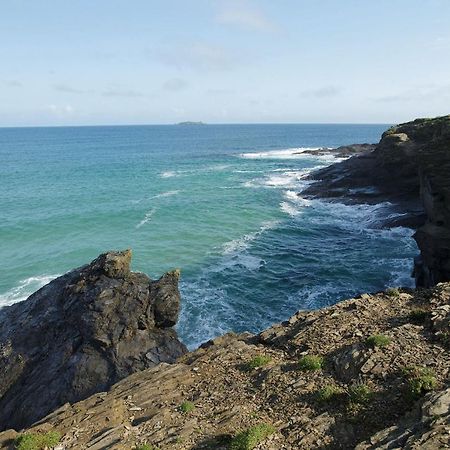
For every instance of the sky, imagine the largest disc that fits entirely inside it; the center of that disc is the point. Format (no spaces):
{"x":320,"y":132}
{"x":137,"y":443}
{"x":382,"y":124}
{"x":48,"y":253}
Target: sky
{"x":84,"y":62}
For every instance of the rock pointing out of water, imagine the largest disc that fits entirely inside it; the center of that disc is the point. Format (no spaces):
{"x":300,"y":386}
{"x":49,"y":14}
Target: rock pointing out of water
{"x":81,"y":333}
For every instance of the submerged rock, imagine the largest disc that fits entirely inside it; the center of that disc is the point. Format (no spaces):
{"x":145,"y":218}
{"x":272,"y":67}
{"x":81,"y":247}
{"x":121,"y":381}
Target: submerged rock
{"x":82,"y":333}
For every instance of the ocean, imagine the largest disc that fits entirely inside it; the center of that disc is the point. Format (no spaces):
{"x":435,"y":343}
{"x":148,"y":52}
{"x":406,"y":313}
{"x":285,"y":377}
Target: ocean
{"x":217,"y":201}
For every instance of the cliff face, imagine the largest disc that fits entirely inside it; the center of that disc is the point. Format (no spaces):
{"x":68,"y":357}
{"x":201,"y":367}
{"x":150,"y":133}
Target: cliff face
{"x":81,"y":333}
{"x":410,"y":167}
{"x":368,"y":373}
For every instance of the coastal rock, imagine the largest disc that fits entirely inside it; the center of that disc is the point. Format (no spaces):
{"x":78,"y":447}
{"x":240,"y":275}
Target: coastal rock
{"x":239,"y":381}
{"x":82,"y":333}
{"x":409,"y":168}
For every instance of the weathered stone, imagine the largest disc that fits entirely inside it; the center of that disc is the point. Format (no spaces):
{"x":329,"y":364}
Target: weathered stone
{"x":81,"y":333}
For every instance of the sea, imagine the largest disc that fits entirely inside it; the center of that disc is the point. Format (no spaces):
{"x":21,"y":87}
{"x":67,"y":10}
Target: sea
{"x":219,"y":202}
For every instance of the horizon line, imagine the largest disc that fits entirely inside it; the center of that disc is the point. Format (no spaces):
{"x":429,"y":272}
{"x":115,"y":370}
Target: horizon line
{"x":193,"y":125}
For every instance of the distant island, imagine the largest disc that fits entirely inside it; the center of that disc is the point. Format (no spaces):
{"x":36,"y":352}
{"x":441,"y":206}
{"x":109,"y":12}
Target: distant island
{"x":191,"y":123}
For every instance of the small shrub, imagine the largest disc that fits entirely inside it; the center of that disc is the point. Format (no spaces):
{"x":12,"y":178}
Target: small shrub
{"x":420,"y":380}
{"x":37,"y":441}
{"x":258,"y":361}
{"x":187,"y":407}
{"x":310,"y":363}
{"x":328,"y":393}
{"x":249,"y":439}
{"x":418,"y":316}
{"x":360,"y":393}
{"x":145,"y":447}
{"x":378,"y":340}
{"x":393,"y":292}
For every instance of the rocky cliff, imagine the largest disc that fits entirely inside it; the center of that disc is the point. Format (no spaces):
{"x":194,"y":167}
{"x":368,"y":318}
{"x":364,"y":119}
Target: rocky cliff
{"x":81,"y":333}
{"x":410,"y":167}
{"x":368,"y":373}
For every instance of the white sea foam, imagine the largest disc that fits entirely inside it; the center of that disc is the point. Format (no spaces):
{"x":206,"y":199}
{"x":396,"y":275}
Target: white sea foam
{"x":289,"y":153}
{"x":168,"y":174}
{"x":194,"y":171}
{"x":160,"y":195}
{"x":290,"y":209}
{"x":148,"y":216}
{"x":24,"y":289}
{"x":244,"y":242}
{"x":166,"y":194}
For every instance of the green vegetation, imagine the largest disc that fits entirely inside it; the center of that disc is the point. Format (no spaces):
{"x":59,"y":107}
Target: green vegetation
{"x":258,"y":361}
{"x":420,"y":380}
{"x":360,"y":393}
{"x":311,"y":363}
{"x":393,"y":292}
{"x":187,"y":407}
{"x":328,"y":393}
{"x":249,"y":439}
{"x":145,"y":447}
{"x":37,"y":441}
{"x":418,"y":316}
{"x":378,"y":340}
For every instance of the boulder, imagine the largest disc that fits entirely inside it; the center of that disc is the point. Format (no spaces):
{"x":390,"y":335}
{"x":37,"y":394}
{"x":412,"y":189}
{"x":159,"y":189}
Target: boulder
{"x":82,"y":333}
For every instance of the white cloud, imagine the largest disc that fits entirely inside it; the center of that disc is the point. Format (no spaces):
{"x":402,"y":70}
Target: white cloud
{"x":60,"y":110}
{"x":245,"y":16}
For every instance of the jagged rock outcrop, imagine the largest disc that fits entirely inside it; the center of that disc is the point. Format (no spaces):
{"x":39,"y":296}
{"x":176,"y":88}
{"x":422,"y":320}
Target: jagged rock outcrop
{"x":81,"y":333}
{"x":410,"y":167}
{"x":359,"y":396}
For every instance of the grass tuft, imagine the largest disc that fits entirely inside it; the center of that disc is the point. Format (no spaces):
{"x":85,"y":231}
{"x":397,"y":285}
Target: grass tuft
{"x":311,"y":363}
{"x":360,"y":394}
{"x":393,"y":292}
{"x":418,"y":316}
{"x":250,"y":438}
{"x":258,"y":361}
{"x":328,"y":393}
{"x":187,"y":407}
{"x":37,"y":441}
{"x":378,"y":340}
{"x":420,"y":380}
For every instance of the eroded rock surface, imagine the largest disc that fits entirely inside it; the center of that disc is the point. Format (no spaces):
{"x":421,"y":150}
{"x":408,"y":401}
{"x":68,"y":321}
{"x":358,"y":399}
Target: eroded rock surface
{"x":81,"y":333}
{"x":230,"y":395}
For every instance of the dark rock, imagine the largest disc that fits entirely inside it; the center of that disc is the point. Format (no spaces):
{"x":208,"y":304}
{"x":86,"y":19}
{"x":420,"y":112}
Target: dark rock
{"x":340,"y":152}
{"x":410,"y":168}
{"x":82,"y":333}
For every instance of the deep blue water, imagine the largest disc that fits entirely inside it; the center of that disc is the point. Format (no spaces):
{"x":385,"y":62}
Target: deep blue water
{"x":217,"y":201}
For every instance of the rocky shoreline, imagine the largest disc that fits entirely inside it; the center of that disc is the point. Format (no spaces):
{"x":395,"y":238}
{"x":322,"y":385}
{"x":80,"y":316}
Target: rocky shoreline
{"x":91,"y":361}
{"x":410,"y":170}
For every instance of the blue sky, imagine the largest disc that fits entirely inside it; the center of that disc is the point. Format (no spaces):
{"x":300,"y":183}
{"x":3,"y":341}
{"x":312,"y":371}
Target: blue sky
{"x":90,"y":62}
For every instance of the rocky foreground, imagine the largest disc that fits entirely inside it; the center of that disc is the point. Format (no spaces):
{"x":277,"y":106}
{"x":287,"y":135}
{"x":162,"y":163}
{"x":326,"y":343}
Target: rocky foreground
{"x":81,"y":333}
{"x":368,"y":373}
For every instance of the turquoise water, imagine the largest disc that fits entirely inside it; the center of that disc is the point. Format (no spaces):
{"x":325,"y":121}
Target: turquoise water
{"x":217,"y":201}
